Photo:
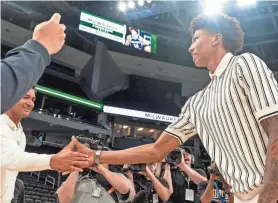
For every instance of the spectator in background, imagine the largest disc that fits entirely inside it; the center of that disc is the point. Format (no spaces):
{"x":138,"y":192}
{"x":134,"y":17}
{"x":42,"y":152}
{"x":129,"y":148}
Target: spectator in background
{"x":216,"y":189}
{"x":185,"y":179}
{"x":150,"y":188}
{"x":13,"y":143}
{"x":129,"y":175}
{"x":24,"y":65}
{"x":117,"y":185}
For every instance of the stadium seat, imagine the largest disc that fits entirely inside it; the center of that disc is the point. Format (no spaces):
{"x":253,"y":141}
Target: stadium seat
{"x":36,"y":191}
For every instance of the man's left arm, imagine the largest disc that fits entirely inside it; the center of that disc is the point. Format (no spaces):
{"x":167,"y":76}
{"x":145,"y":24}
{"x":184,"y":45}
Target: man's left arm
{"x":270,"y":192}
{"x":168,"y":177}
{"x":261,"y":88}
{"x":160,"y":186}
{"x":197,"y":176}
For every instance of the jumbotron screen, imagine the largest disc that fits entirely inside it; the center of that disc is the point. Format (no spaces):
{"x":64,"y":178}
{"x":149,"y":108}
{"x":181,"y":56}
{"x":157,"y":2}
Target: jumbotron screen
{"x":118,"y":32}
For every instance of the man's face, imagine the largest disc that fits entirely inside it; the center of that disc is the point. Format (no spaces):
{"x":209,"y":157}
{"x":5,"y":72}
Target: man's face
{"x":187,"y":158}
{"x":25,"y":105}
{"x":201,"y":48}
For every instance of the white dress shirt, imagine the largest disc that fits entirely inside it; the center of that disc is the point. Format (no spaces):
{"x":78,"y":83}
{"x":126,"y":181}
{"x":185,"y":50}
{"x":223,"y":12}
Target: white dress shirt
{"x":14,"y":159}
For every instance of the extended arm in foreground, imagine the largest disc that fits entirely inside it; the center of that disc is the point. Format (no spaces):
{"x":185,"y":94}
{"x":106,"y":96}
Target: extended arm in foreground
{"x":23,"y":66}
{"x":175,"y":134}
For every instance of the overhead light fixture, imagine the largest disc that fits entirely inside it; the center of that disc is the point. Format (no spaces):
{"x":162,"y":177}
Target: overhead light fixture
{"x":245,"y":3}
{"x":141,"y":2}
{"x":125,"y":127}
{"x":140,"y":129}
{"x":122,"y":6}
{"x":152,"y":130}
{"x":149,"y":1}
{"x":212,"y":7}
{"x":131,"y":4}
{"x":68,"y":97}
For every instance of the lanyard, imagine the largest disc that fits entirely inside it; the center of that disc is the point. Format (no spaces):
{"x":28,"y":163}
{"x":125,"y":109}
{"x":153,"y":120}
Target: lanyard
{"x":218,"y":192}
{"x":187,"y":179}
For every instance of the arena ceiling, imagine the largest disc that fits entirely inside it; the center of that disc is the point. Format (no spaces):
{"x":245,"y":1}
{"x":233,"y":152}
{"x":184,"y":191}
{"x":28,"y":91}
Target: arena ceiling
{"x":168,"y":19}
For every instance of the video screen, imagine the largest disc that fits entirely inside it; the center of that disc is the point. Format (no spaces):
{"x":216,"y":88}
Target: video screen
{"x":102,"y":27}
{"x":139,"y":39}
{"x":118,"y":32}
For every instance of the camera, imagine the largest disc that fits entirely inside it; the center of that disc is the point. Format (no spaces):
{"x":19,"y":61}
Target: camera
{"x":174,"y":157}
{"x":91,"y":143}
{"x":94,"y":144}
{"x":214,"y":171}
{"x":137,"y":167}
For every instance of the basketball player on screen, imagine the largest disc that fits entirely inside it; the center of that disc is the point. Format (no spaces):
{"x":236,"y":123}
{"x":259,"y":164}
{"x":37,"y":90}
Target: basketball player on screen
{"x":136,"y":41}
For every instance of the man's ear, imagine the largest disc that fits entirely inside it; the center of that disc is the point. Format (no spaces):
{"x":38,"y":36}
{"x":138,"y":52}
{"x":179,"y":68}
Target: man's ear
{"x":217,"y":39}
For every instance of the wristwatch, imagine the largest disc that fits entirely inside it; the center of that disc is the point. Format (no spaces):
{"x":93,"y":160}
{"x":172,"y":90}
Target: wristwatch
{"x":97,"y":157}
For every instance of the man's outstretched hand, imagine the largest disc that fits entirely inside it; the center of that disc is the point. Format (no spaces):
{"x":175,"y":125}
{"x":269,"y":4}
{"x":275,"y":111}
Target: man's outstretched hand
{"x":83,"y":150}
{"x":67,"y":160}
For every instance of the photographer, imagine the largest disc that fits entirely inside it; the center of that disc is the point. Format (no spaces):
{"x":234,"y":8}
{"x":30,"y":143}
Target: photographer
{"x":129,"y":174}
{"x":185,"y":178}
{"x":216,"y":189}
{"x":116,"y":184}
{"x":149,"y":188}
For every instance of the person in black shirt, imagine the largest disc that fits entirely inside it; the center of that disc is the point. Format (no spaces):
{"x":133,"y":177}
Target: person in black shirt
{"x":117,"y":185}
{"x":185,"y":179}
{"x":149,"y":188}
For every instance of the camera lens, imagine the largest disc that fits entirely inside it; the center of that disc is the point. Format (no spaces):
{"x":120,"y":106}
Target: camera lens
{"x":174,"y":157}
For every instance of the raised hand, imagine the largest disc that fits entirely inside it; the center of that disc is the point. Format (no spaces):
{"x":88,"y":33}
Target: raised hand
{"x":146,"y":172}
{"x":100,"y":168}
{"x":67,"y":160}
{"x":84,"y":150}
{"x":182,"y":163}
{"x":51,"y":34}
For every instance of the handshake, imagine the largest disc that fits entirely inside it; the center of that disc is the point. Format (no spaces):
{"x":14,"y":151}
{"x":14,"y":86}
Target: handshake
{"x":73,"y":157}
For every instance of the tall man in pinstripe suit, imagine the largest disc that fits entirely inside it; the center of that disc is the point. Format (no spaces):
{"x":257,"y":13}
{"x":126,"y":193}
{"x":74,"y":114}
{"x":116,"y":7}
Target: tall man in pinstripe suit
{"x":235,"y":115}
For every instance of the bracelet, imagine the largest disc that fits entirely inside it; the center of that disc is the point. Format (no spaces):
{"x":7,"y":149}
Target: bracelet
{"x":229,"y":193}
{"x":97,"y":157}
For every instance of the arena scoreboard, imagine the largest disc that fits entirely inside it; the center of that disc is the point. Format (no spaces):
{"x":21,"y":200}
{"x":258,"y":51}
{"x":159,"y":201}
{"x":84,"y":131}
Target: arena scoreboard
{"x":118,"y":32}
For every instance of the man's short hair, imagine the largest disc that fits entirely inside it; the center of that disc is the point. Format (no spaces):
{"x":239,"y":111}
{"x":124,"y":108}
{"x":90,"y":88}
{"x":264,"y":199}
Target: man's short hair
{"x":34,"y":88}
{"x":229,"y":27}
{"x":186,"y":149}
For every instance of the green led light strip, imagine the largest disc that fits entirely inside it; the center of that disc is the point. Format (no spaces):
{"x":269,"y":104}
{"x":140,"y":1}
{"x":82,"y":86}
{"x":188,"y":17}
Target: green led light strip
{"x":69,"y":97}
